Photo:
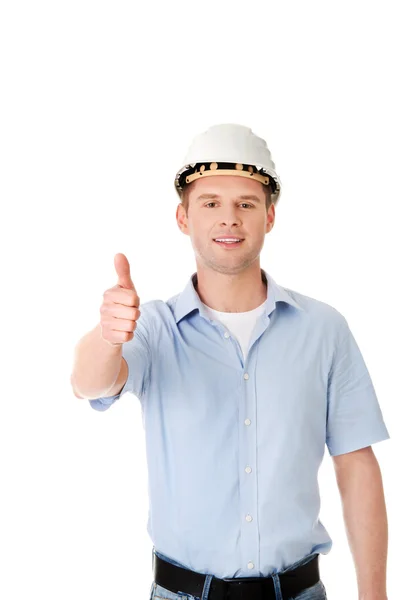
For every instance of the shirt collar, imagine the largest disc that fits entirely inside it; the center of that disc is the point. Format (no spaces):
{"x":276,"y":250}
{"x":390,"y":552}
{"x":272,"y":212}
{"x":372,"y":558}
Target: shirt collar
{"x":189,"y":300}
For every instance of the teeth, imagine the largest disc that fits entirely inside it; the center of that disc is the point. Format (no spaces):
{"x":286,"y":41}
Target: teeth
{"x":228,"y":240}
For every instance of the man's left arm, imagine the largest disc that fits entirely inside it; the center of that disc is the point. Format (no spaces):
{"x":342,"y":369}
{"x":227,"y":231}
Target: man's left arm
{"x":361,"y":490}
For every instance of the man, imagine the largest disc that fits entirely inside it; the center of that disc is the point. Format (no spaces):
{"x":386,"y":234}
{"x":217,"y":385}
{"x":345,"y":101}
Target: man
{"x":242,"y":382}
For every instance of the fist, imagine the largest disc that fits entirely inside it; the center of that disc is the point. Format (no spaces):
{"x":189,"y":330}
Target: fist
{"x":120,"y":308}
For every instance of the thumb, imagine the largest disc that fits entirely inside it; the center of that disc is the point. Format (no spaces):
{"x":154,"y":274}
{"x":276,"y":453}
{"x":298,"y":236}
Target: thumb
{"x":122,"y":267}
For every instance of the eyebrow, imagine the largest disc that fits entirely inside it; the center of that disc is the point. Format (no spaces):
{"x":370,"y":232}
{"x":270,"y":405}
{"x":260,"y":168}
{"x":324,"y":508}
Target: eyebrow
{"x":241,"y":197}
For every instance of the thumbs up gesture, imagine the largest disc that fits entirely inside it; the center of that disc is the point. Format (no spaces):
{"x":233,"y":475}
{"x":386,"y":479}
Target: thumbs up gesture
{"x":120,"y":308}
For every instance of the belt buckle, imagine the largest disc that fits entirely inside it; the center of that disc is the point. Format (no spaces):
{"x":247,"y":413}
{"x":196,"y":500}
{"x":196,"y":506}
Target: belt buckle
{"x":241,"y":588}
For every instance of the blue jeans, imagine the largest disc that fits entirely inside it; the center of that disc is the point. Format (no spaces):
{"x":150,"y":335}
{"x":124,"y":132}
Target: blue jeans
{"x":315,"y":592}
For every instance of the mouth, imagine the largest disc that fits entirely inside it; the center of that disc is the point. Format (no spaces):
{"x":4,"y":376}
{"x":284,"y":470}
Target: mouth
{"x":229,"y":244}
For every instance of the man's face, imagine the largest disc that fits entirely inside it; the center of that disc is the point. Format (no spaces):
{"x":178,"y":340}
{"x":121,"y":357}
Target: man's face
{"x":226,"y":214}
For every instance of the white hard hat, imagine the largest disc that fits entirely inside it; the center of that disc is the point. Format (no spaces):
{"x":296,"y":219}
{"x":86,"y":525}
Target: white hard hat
{"x":229,"y":149}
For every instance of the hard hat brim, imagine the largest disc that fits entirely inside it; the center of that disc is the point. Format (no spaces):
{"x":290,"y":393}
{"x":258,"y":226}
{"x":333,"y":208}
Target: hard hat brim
{"x":190,"y":173}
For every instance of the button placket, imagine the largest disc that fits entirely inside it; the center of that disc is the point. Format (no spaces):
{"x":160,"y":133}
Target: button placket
{"x":248,"y":469}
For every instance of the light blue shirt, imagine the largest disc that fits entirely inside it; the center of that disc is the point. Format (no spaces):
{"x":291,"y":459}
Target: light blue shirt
{"x":234,"y":445}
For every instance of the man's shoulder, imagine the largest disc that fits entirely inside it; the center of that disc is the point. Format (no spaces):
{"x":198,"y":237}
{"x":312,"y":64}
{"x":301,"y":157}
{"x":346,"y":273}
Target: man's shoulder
{"x":152,"y":308}
{"x":315,"y":309}
{"x":157,"y":310}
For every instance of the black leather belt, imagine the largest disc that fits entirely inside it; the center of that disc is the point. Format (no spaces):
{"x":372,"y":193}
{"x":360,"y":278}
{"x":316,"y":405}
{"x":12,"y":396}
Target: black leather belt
{"x":177,"y":579}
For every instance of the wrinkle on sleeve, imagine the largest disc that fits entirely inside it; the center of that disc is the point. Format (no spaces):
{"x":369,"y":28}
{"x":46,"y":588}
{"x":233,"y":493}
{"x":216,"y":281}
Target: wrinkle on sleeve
{"x":137,"y":353}
{"x":354,"y":416}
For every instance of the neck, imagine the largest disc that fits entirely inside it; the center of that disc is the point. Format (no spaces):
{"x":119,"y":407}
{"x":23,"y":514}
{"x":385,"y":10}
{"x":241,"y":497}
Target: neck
{"x":231,"y":293}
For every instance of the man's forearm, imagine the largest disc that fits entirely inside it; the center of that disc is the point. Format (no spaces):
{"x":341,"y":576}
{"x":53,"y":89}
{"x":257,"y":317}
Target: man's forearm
{"x":364,"y":510}
{"x":96,"y":365}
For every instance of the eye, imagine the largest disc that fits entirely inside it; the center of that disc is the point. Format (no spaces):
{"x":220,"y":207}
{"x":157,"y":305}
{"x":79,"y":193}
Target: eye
{"x":245,"y":203}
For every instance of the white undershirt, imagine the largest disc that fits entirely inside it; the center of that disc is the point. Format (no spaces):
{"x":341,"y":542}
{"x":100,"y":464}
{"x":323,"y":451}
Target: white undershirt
{"x":240,"y":324}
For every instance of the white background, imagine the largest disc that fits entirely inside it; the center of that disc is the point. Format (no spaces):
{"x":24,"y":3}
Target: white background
{"x":100,"y":101}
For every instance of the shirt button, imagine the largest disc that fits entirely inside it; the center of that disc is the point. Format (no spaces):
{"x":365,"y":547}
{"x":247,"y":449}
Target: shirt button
{"x":249,"y":518}
{"x":247,"y":422}
{"x":250,"y":565}
{"x":226,"y":334}
{"x":246,"y":375}
{"x":248,"y":469}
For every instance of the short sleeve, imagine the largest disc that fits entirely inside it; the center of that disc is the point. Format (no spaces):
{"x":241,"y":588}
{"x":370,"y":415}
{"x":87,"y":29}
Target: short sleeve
{"x":137,"y":353}
{"x":354,"y":417}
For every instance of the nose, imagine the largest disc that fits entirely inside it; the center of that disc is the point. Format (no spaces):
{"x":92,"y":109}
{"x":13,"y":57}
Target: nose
{"x":229,"y":217}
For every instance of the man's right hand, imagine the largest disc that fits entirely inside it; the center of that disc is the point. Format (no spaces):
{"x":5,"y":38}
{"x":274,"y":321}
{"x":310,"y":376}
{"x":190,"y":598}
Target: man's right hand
{"x":120,"y":308}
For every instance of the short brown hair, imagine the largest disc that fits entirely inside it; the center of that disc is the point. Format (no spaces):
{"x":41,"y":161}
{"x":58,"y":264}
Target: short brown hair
{"x":185,"y":196}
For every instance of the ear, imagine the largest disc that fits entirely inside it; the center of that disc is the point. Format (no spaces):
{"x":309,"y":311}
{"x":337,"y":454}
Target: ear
{"x":181,"y":218}
{"x":270,"y":218}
